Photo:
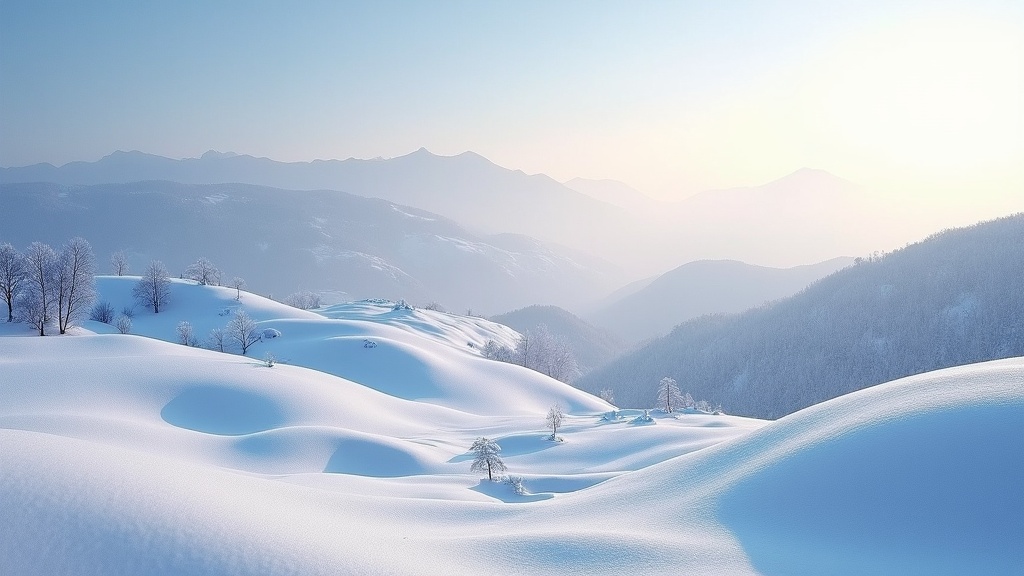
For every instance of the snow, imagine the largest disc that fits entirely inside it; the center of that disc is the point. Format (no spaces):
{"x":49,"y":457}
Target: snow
{"x":122,"y":454}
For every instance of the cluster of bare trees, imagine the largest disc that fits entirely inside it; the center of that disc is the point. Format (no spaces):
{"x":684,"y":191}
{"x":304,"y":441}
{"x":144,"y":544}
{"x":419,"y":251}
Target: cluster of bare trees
{"x":41,"y":285}
{"x":538,"y":350}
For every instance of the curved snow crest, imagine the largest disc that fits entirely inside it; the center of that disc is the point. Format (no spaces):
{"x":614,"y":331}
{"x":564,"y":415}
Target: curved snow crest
{"x":919,"y":475}
{"x":419,"y":355}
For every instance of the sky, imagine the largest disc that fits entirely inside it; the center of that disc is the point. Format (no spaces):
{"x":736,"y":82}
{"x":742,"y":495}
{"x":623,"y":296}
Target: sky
{"x":921,"y":100}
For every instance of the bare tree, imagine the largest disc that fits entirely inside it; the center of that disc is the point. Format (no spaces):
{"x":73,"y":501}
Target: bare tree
{"x":237,"y":283}
{"x":486,"y":456}
{"x":12,"y":276}
{"x":119,"y":263}
{"x":123,"y":324}
{"x":74,"y":282}
{"x":554,"y":420}
{"x":215,"y":341}
{"x":242,"y":330}
{"x":185,"y":334}
{"x":669,"y":397}
{"x":303,"y":300}
{"x":154,"y":288}
{"x":37,"y":298}
{"x":204,"y":272}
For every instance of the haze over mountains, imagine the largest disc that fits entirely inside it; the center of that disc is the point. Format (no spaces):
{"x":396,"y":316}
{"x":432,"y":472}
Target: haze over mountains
{"x":703,"y":287}
{"x":283,"y":241}
{"x":952,"y":299}
{"x":807,"y":217}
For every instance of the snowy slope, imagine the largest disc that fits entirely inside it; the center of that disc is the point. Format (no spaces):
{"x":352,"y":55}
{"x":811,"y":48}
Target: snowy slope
{"x":128,"y":455}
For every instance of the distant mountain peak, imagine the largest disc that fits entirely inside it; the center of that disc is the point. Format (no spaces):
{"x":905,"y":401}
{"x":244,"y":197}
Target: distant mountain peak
{"x":213,"y":155}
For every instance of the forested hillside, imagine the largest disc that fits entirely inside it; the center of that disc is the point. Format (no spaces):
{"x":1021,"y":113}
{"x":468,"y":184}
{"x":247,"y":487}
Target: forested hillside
{"x":954,"y":298}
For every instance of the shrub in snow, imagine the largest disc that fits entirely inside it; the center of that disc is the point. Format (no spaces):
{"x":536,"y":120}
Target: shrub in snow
{"x":644,"y":418}
{"x":102,"y":312}
{"x":269,"y":360}
{"x":271,"y":333}
{"x":128,"y":311}
{"x":611,"y":416}
{"x":369,"y":344}
{"x":517,"y":484}
{"x":486,"y":456}
{"x":435,"y":307}
{"x":401,"y":305}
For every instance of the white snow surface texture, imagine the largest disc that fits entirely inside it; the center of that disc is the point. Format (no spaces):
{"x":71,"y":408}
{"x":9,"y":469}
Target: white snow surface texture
{"x":121,"y":454}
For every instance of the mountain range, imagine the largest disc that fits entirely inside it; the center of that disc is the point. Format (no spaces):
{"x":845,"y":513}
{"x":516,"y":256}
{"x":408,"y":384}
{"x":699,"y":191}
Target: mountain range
{"x":951,"y":299}
{"x":808,"y":216}
{"x":281,"y":241}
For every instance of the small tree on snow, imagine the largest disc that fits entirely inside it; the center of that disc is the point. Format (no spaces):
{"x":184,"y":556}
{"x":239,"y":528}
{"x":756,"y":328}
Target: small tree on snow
{"x":12,"y":276}
{"x":123,"y":324}
{"x":242,"y":330}
{"x":486,"y":456}
{"x":215,"y":341}
{"x":237,"y":283}
{"x":186,"y":335}
{"x":154,"y":288}
{"x":119,"y":263}
{"x":669,"y":397}
{"x":204,"y":272}
{"x":554,"y":420}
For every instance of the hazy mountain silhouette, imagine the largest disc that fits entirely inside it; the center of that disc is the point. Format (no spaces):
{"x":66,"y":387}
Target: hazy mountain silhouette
{"x":808,"y":216}
{"x":704,"y":287}
{"x":282,"y":241}
{"x":592,"y":346}
{"x":954,"y":298}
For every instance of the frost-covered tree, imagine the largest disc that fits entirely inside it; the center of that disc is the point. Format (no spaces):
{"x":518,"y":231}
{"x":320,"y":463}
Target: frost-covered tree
{"x":119,"y":263}
{"x":123,"y":324}
{"x":12,"y":276}
{"x":669,"y":396}
{"x":242,"y":330}
{"x":204,"y":272}
{"x":608,"y":395}
{"x":303,"y":300}
{"x":486,"y":456}
{"x":237,"y":283}
{"x":215,"y":341}
{"x":37,"y":297}
{"x":74,"y":282}
{"x":554,"y":420}
{"x":154,"y":288}
{"x":186,"y":335}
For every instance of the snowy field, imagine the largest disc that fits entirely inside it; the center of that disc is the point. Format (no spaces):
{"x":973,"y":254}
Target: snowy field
{"x":122,"y":454}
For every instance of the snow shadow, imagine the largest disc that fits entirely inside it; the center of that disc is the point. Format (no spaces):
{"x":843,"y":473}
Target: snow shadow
{"x":377,"y":459}
{"x":221,"y":410}
{"x":505,"y":493}
{"x":938,"y":493}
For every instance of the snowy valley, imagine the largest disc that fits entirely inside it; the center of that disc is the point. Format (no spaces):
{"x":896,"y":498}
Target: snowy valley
{"x":132,"y":454}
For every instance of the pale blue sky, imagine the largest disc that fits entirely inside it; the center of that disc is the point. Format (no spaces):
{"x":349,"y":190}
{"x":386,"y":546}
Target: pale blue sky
{"x":671,"y":97}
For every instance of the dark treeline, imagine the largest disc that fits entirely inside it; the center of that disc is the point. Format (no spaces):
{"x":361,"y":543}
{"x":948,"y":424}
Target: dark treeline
{"x":954,"y":298}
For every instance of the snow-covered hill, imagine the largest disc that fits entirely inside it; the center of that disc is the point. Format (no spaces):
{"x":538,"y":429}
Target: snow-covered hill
{"x":121,"y":454}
